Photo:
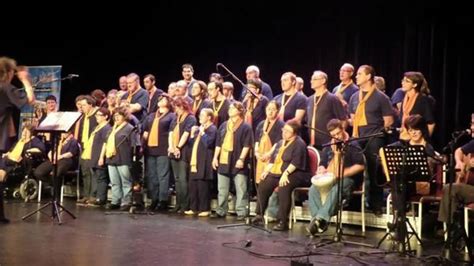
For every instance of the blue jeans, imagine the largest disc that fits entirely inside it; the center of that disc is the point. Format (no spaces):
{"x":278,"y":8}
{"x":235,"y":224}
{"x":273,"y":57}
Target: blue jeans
{"x":121,"y":181}
{"x":223,"y":184}
{"x":272,"y":208}
{"x":100,"y":174}
{"x":180,"y":171}
{"x":158,"y":177}
{"x":326,"y":210}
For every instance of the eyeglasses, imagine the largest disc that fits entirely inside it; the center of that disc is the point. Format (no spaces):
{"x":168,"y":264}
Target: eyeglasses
{"x":407,"y":80}
{"x":99,"y":114}
{"x":413,"y":131}
{"x":317,"y":78}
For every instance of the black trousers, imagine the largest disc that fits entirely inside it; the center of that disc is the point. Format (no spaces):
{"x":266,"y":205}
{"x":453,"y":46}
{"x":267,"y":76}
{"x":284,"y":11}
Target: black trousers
{"x":266,"y":188}
{"x":200,"y":195}
{"x":376,"y":176}
{"x":42,"y":172}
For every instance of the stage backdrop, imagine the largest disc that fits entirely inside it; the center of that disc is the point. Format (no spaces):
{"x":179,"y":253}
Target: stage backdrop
{"x":46,"y":80}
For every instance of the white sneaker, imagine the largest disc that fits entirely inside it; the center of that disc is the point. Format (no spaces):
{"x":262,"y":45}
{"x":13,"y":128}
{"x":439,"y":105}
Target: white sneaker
{"x":204,"y":214}
{"x":190,"y":212}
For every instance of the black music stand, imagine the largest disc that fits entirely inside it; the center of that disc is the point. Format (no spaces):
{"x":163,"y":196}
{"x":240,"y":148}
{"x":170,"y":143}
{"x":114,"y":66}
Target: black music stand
{"x":55,"y":124}
{"x":403,"y":164}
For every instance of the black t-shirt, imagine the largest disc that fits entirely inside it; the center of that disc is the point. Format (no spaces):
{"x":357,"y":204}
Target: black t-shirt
{"x":243,"y":138}
{"x":377,"y":106}
{"x":164,"y":129}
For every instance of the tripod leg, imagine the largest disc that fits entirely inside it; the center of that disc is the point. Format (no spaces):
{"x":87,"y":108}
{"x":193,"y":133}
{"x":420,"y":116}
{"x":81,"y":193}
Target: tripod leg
{"x":383,"y":238}
{"x":56,"y":213}
{"x":414,"y":232}
{"x":66,"y":210}
{"x":33,"y":212}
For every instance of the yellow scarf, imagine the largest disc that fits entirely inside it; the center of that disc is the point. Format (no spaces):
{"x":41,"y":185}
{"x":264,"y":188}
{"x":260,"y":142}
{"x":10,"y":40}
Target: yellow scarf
{"x":15,"y":154}
{"x":154,"y":136}
{"x":264,"y":146}
{"x":250,"y":109}
{"x":110,"y":149}
{"x":359,"y":117}
{"x":281,"y":115}
{"x":194,"y":153}
{"x":276,"y":169}
{"x":87,"y":153}
{"x":341,"y":89}
{"x":176,"y":131}
{"x":228,"y":143}
{"x":85,"y":126}
{"x":313,"y":120}
{"x":408,"y":103}
{"x":77,"y":127}
{"x":216,"y":111}
{"x":130,"y":95}
{"x":196,"y":105}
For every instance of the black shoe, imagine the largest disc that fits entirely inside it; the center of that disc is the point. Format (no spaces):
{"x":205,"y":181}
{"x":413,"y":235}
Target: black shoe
{"x":99,"y":203}
{"x":378,"y":212}
{"x":313,"y":226}
{"x":153,"y":205}
{"x":4,"y":220}
{"x":113,"y":206}
{"x":281,"y":226}
{"x":323,"y":226}
{"x":257,"y":220}
{"x":125,"y":207}
{"x":216,"y":215}
{"x":163,"y":206}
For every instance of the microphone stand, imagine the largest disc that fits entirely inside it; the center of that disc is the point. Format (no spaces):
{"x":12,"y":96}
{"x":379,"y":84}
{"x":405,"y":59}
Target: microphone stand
{"x":251,"y":170}
{"x":453,"y":225}
{"x":254,"y":94}
{"x":341,"y":146}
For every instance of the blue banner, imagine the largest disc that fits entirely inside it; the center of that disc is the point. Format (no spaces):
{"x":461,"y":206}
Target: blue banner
{"x":46,"y":80}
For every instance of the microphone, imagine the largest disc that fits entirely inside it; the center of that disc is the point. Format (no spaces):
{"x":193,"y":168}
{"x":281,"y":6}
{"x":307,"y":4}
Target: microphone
{"x":219,"y":65}
{"x":391,"y":130}
{"x":73,"y":75}
{"x":463,"y":132}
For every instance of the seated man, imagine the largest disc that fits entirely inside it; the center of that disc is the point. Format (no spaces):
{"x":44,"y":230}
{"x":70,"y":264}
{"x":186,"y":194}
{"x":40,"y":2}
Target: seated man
{"x":462,"y":192}
{"x":321,"y":212}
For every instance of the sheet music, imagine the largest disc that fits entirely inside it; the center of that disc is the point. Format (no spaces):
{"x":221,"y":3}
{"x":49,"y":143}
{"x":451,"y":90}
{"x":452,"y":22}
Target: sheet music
{"x":59,"y":121}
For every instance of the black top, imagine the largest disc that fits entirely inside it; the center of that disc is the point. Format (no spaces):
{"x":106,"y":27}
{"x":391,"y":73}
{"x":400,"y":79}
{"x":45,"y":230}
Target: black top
{"x":352,"y":156}
{"x":423,"y":107}
{"x":153,"y":106}
{"x":99,"y":140}
{"x":140,"y":97}
{"x":125,"y":140}
{"x":258,"y":114}
{"x":185,"y":126}
{"x":295,"y":154}
{"x":329,"y":107}
{"x":297,"y":102}
{"x":205,"y":153}
{"x":92,"y":125}
{"x":347,"y":93}
{"x":468,"y":148}
{"x":377,"y":106}
{"x":223,"y":114}
{"x":274,"y":134}
{"x":11,"y":99}
{"x":243,"y":137}
{"x":164,"y":130}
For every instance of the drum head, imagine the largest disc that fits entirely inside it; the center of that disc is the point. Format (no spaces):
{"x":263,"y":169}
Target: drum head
{"x":29,"y":189}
